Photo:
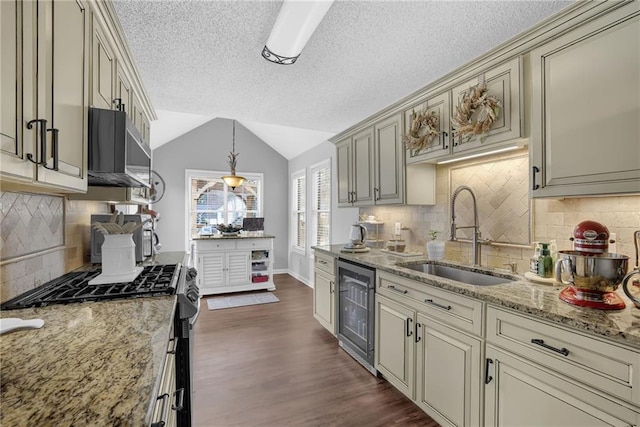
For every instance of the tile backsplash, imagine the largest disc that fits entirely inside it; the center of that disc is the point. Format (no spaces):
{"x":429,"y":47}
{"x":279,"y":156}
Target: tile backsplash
{"x":43,"y":237}
{"x":550,"y":219}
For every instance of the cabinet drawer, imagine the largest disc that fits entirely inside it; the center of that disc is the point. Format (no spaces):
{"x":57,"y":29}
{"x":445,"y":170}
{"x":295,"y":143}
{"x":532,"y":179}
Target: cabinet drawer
{"x":600,"y":364}
{"x":254,"y":244}
{"x":454,"y":309}
{"x":325,"y":263}
{"x":212,"y":245}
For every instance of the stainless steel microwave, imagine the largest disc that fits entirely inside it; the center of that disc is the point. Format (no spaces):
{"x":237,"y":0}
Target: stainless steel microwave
{"x":117,"y":155}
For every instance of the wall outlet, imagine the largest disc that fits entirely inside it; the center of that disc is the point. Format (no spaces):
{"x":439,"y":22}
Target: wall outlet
{"x":397,"y":228}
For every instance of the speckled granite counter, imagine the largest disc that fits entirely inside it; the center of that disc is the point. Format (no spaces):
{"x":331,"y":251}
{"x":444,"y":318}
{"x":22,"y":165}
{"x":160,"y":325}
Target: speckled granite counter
{"x":521,"y":295}
{"x":90,"y":364}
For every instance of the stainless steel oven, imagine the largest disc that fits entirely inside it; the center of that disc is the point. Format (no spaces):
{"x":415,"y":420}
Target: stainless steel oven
{"x":356,"y":310}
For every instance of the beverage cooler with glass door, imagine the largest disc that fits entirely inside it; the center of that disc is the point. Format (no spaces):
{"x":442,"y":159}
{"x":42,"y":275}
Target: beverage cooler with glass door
{"x":356,"y":296}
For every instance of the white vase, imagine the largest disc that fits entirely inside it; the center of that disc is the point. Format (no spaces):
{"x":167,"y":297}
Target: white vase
{"x":118,"y":254}
{"x":435,"y":249}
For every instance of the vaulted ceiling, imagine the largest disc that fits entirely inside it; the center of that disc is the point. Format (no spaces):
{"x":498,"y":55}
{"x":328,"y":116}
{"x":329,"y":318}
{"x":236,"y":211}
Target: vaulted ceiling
{"x":201,"y":59}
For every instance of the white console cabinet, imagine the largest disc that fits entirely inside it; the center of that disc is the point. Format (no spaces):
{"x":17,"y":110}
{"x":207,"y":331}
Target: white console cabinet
{"x":234,"y":265}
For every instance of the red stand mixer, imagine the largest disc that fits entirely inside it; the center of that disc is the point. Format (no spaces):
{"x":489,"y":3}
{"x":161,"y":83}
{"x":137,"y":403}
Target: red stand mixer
{"x":592,"y":273}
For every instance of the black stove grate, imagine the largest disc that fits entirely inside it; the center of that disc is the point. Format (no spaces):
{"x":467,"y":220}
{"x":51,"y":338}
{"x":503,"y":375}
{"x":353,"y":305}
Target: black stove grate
{"x":74,"y":287}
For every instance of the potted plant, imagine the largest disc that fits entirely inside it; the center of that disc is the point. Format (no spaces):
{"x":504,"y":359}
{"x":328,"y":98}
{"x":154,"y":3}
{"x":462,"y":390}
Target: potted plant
{"x":435,"y":248}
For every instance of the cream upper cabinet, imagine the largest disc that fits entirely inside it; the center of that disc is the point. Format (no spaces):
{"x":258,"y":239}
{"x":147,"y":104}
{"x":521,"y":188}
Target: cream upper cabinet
{"x":124,"y":93}
{"x":388,"y":186}
{"x":44,"y":138}
{"x":103,"y":69}
{"x":370,"y":165}
{"x":355,"y":158}
{"x":343,"y":164}
{"x":439,"y":146}
{"x":585,"y":109}
{"x":13,"y":149}
{"x":505,"y":83}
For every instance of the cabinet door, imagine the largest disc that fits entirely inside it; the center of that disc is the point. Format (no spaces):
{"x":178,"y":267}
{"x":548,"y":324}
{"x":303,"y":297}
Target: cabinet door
{"x":395,"y":349}
{"x":238,"y":268}
{"x":123,"y":91}
{"x":586,"y":104}
{"x":344,"y":169}
{"x":324,"y":300}
{"x":103,"y":69}
{"x":448,"y":372}
{"x":210,"y":270}
{"x":520,"y":393}
{"x":363,"y":167}
{"x":439,"y":147}
{"x":138,"y":114}
{"x":13,"y":149}
{"x":389,"y":162}
{"x":505,"y":83}
{"x":62,"y":85}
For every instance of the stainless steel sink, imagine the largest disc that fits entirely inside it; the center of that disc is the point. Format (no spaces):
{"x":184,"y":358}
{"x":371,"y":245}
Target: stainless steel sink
{"x":458,"y":274}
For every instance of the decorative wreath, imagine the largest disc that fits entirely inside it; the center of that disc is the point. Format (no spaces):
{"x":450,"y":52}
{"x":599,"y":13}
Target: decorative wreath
{"x":472,"y":100}
{"x":423,"y":130}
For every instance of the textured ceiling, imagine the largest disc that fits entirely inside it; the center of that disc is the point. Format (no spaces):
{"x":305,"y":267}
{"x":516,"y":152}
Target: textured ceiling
{"x":203,"y":58}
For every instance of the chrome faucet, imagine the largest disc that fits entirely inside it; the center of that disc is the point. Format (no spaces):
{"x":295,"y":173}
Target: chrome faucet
{"x":477,"y":241}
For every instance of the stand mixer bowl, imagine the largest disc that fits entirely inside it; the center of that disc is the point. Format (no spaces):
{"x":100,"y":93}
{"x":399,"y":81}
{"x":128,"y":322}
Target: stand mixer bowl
{"x":591,"y":273}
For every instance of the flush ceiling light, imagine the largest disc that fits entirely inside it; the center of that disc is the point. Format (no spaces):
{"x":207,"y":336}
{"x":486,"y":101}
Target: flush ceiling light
{"x":296,"y":22}
{"x":233,"y":180}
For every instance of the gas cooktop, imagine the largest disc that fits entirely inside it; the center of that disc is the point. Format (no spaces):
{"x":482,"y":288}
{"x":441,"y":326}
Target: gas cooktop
{"x":74,"y":287}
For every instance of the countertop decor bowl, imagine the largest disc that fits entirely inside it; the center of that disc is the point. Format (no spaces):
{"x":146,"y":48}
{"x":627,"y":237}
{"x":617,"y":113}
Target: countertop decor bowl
{"x":597,"y":272}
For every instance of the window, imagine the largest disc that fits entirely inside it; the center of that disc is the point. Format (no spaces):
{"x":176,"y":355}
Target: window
{"x":321,"y":204}
{"x":211,"y":202}
{"x":299,"y":220}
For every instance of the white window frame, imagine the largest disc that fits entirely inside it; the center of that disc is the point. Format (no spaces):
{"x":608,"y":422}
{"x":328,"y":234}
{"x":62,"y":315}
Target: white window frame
{"x":199,"y":173}
{"x":312,"y":223}
{"x":295,"y":176}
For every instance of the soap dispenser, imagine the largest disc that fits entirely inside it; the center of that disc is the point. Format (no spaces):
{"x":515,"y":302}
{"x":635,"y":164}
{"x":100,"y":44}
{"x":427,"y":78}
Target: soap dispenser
{"x":533,"y":262}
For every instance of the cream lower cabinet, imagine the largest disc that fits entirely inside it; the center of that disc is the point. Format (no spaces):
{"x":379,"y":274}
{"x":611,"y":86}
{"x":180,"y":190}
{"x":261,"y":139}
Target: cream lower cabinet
{"x":540,"y":374}
{"x":324,"y":295}
{"x":448,"y":373}
{"x":394,"y":347}
{"x":422,"y":353}
{"x":522,"y":393}
{"x":234,"y":265}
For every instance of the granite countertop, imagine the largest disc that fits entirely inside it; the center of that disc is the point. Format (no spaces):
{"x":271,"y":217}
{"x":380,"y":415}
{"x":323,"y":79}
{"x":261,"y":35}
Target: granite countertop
{"x":93,"y":363}
{"x":540,"y":300}
{"x":240,"y":236}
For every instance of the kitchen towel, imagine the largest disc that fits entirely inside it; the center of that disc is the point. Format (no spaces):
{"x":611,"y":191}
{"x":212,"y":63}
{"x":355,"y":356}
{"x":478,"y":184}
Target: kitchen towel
{"x":219,"y":303}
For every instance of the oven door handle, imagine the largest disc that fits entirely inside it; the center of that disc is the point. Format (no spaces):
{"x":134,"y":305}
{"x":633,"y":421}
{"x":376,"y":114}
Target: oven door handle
{"x":179,"y":406}
{"x":174,"y":349}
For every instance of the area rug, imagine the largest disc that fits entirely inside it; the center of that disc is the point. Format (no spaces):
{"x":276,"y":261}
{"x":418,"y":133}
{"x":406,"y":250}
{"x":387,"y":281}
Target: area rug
{"x":219,"y":303}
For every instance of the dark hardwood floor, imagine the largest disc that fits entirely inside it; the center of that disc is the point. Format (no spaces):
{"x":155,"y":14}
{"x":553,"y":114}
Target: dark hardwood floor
{"x":274,"y":365}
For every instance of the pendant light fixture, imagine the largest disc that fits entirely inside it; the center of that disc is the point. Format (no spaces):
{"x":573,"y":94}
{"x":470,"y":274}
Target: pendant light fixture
{"x":233,"y":180}
{"x":294,"y":26}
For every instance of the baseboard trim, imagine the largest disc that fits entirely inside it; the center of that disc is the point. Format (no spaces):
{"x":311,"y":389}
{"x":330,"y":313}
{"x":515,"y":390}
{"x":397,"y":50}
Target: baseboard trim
{"x":300,"y":278}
